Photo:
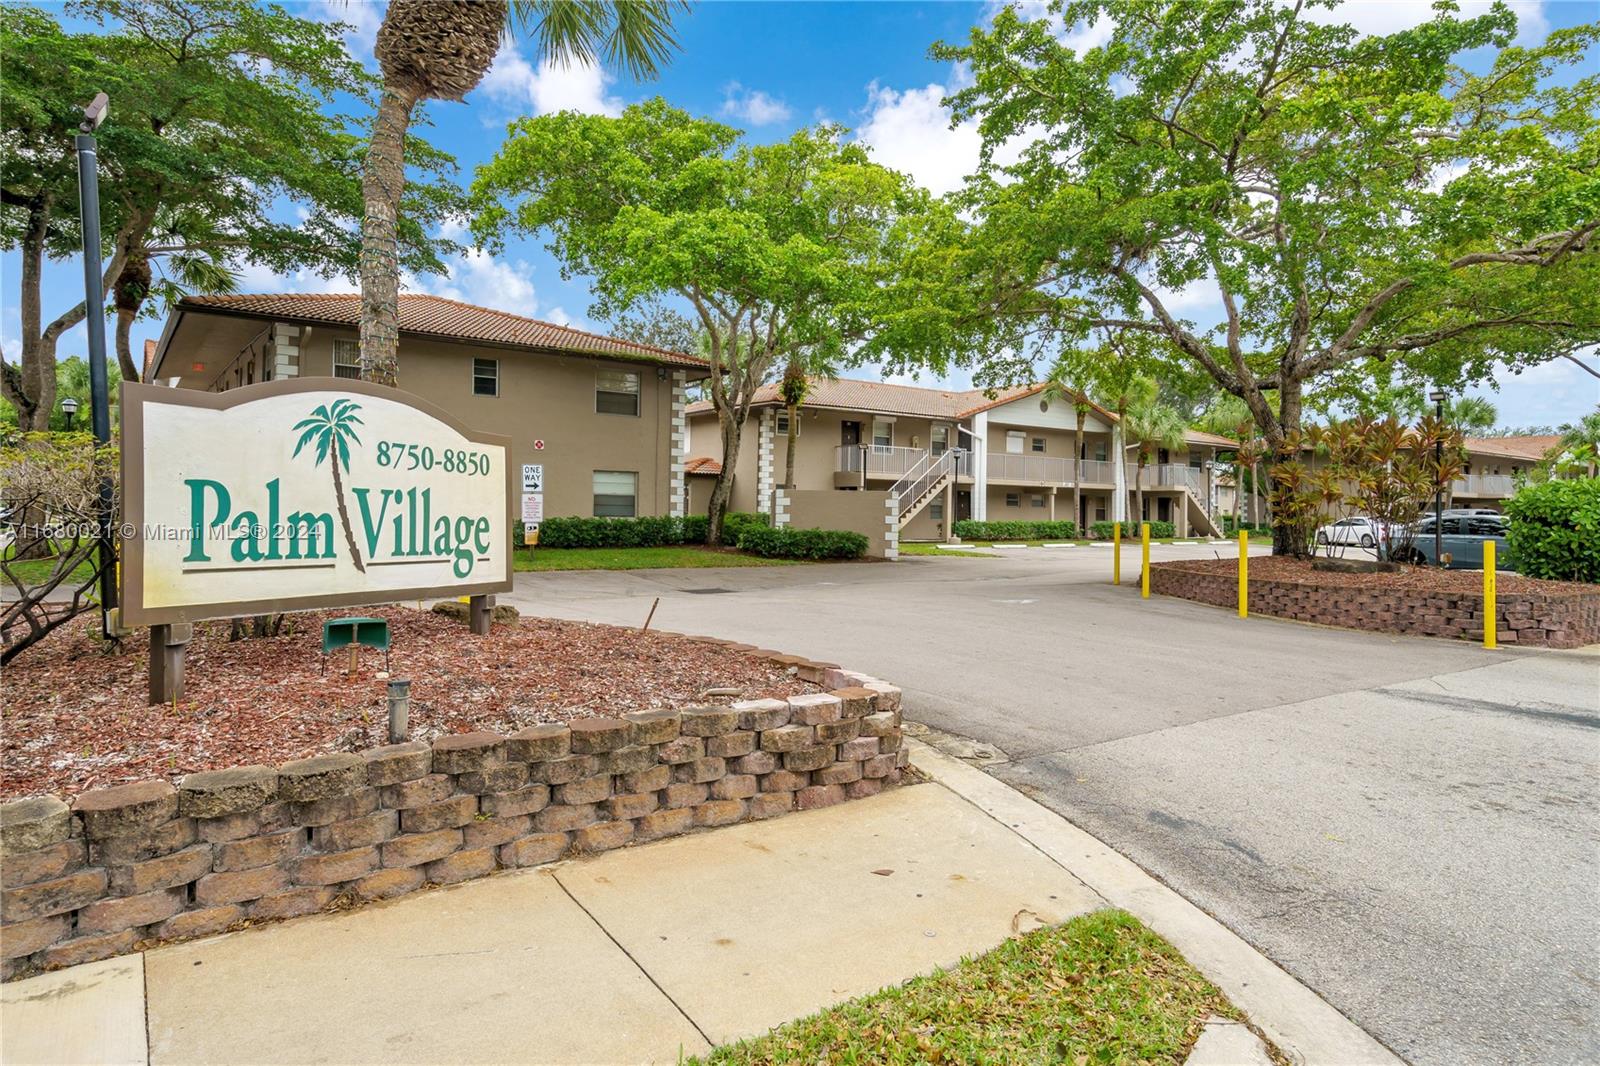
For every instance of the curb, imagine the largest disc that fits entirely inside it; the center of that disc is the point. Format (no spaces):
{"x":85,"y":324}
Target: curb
{"x":1301,"y":1023}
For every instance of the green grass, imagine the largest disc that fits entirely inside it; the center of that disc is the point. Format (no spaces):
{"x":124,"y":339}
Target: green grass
{"x":1099,"y":988}
{"x":35,"y":571}
{"x":673,"y":556}
{"x":918,"y":548}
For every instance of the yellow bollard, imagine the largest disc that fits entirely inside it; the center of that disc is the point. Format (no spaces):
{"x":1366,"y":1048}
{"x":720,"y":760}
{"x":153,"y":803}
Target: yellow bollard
{"x":1244,"y":573}
{"x":1116,"y":553}
{"x":1489,"y":624}
{"x":1144,"y":551}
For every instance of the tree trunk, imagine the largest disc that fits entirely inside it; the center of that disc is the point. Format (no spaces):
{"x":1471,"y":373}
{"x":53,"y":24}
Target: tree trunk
{"x":794,"y":434}
{"x":723,"y":489}
{"x":1138,"y":488}
{"x":344,"y":515}
{"x":1284,"y":542}
{"x":383,"y":179}
{"x":128,"y":294}
{"x":1077,"y":476}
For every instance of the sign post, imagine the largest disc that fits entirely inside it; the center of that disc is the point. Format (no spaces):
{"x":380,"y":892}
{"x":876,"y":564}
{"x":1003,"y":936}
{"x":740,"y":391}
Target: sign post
{"x":302,"y":494}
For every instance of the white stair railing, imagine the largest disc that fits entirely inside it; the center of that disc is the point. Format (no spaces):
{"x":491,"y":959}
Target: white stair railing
{"x":923,"y":477}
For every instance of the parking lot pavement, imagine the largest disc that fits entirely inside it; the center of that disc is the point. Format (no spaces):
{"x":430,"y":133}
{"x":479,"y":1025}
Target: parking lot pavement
{"x":1409,"y":825}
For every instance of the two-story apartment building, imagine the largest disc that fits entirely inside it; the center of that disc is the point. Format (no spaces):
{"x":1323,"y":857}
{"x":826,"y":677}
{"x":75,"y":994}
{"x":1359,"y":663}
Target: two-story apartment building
{"x":950,"y":455}
{"x":605,"y":418}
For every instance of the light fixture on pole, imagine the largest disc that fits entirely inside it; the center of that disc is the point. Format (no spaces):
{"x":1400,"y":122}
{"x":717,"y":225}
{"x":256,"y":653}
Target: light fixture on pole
{"x":1437,"y":396}
{"x":95,"y":300}
{"x":69,"y":407}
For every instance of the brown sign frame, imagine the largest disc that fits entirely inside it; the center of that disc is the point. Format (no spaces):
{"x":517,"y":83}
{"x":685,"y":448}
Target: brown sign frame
{"x":135,"y":396}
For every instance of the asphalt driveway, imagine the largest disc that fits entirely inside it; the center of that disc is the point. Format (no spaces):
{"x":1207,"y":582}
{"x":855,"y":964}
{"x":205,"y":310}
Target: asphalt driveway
{"x":1410,"y":826}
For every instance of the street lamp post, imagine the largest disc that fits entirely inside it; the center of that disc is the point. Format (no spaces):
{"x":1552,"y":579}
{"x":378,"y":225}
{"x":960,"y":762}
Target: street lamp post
{"x":1437,"y":396}
{"x":69,"y":407}
{"x":95,"y":300}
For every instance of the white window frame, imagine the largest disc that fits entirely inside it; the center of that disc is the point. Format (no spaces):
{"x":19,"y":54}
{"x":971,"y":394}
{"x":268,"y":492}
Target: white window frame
{"x":479,"y":374}
{"x":625,"y":375}
{"x":1037,"y":500}
{"x":352,"y":349}
{"x":613,"y":509}
{"x":936,"y":508}
{"x":780,"y":422}
{"x":1038,"y":445}
{"x":889,"y":432}
{"x":938,"y":439}
{"x":1015,"y":439}
{"x":1013,"y":499}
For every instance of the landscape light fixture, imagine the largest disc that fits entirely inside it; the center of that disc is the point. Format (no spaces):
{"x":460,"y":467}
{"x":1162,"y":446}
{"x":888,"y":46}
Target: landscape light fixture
{"x":94,"y":296}
{"x":95,"y":113}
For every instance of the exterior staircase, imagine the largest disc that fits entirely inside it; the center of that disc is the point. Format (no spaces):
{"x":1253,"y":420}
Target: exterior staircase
{"x":926,"y":479}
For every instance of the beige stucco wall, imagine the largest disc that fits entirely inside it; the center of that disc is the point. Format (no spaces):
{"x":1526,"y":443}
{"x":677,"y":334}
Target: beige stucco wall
{"x":542,"y":397}
{"x":863,"y":512}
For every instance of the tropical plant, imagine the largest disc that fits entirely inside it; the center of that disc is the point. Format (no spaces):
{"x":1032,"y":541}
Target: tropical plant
{"x":1472,"y":415}
{"x":1152,"y":425}
{"x":333,"y":428}
{"x":778,"y":248}
{"x":441,"y":50}
{"x":1066,"y":383}
{"x":1555,"y":530}
{"x":1579,"y":446}
{"x":1352,"y":200}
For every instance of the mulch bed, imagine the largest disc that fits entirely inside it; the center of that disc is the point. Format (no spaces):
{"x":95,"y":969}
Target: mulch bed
{"x":1414,"y":578}
{"x":75,"y":718}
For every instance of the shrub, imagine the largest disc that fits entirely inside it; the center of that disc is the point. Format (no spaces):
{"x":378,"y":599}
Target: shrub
{"x":802,"y":543}
{"x":576,"y":532}
{"x":1555,"y":530}
{"x":1130,"y":530}
{"x":694,"y":529}
{"x":968,"y":529}
{"x":734,"y":524}
{"x":1232,"y":525}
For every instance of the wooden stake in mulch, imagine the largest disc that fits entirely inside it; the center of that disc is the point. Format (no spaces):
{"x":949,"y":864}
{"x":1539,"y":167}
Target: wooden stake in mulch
{"x":167,"y":646}
{"x":651,"y":615}
{"x":479,"y":610}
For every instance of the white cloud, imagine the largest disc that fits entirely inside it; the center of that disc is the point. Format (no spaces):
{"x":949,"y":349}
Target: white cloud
{"x":552,"y":87}
{"x":909,"y":130}
{"x":1545,"y":395}
{"x":254,"y":278}
{"x":561,"y":318}
{"x":477,"y":277}
{"x":753,"y":106}
{"x":361,"y":18}
{"x":1381,"y":17}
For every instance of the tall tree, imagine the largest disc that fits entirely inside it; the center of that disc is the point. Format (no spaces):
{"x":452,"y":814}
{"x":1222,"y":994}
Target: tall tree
{"x":777,"y":248}
{"x":220,"y":122}
{"x":1066,"y":382}
{"x":1349,"y":199}
{"x":1151,"y":424}
{"x":441,"y":50}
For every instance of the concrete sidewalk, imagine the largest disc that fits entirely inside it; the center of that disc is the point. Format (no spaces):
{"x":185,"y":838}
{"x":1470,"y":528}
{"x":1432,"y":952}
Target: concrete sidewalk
{"x":642,"y":954}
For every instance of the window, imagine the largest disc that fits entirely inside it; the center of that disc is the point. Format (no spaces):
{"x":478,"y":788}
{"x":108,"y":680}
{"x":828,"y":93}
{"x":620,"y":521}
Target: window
{"x":1038,"y":444}
{"x":939,"y":440}
{"x":486,"y":377}
{"x":616,"y":493}
{"x":346,"y":358}
{"x":782,"y":422}
{"x":883,"y":432}
{"x":936,"y":508}
{"x":1195,"y":459}
{"x":1013,"y":499}
{"x":1014,"y":438}
{"x":1099,"y":512}
{"x":616,"y":393}
{"x":1038,"y":501}
{"x":1100,"y":451}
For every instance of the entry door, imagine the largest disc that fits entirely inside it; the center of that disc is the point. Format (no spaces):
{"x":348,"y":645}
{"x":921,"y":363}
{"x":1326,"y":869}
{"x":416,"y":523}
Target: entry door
{"x":1163,"y":509}
{"x":963,"y":504}
{"x":849,"y":434}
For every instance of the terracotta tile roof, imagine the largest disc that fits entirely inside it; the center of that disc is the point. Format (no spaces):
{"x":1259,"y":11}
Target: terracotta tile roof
{"x":881,"y":397}
{"x":1200,"y":436}
{"x":149,"y":359}
{"x":703,"y":464}
{"x":423,"y":315}
{"x":1530,"y":448}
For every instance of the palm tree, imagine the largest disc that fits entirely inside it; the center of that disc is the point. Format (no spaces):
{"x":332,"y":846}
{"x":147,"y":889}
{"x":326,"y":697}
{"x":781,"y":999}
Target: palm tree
{"x":440,"y":50}
{"x":1062,"y":384}
{"x":1152,"y":425}
{"x":1579,"y":443}
{"x":1118,"y":387}
{"x":795,"y":386}
{"x":332,"y":429}
{"x":1471,"y":414}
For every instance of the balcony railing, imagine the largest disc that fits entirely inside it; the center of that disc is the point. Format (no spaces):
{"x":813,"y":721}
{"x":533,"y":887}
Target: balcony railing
{"x":1032,"y":469}
{"x":1098,"y":472}
{"x":889,"y":462}
{"x":1499,"y":486}
{"x":1170,"y":475}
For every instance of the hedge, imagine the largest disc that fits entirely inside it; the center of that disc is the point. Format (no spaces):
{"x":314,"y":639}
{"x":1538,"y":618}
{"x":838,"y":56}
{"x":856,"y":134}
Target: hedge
{"x":969,"y":529}
{"x":646,"y":532}
{"x":1232,"y":525}
{"x":1102,"y":530}
{"x":802,"y":543}
{"x":1555,"y":530}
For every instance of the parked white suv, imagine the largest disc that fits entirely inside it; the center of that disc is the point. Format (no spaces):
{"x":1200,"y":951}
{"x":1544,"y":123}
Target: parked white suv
{"x":1366,"y":532}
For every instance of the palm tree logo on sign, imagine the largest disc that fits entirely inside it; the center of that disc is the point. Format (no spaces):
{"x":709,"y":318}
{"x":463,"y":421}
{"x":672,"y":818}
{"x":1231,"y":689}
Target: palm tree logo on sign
{"x":332,"y":428}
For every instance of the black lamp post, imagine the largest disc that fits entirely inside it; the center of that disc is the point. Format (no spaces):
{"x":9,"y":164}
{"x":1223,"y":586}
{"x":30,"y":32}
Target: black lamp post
{"x":1437,"y":396}
{"x":95,"y":300}
{"x":69,"y":407}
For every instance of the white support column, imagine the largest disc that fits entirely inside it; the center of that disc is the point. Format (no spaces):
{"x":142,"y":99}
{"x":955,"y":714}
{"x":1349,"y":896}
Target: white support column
{"x":980,"y":466}
{"x":678,"y":482}
{"x":1119,"y":475}
{"x":780,"y":508}
{"x":949,"y":511}
{"x":891,"y":533}
{"x":765,"y":431}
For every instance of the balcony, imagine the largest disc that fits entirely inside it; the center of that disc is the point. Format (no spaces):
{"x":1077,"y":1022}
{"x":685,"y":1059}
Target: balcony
{"x":1169,"y":476}
{"x":879,"y":461}
{"x":1098,"y":472}
{"x":1491,"y":486}
{"x":1010,"y":468}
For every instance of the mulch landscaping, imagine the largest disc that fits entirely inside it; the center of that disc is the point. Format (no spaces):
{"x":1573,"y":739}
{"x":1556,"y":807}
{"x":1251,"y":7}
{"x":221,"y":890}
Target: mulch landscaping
{"x":75,"y":718}
{"x":1411,"y":578}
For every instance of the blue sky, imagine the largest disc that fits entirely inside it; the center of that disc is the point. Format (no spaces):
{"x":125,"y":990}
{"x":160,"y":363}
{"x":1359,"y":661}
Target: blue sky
{"x":770,"y":68}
